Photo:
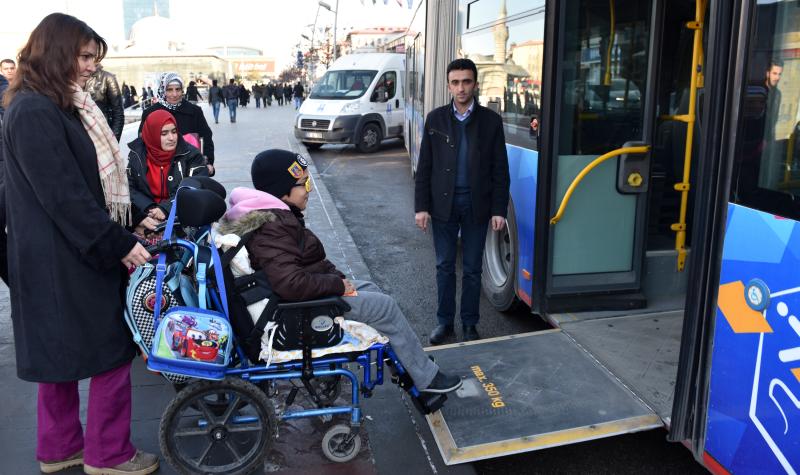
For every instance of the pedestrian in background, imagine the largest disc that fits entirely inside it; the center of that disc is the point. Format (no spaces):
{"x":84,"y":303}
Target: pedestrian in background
{"x":231,"y":94}
{"x":287,"y":93}
{"x":150,"y":94}
{"x":215,"y":98}
{"x":244,"y":95}
{"x":192,"y":94}
{"x":189,"y":117}
{"x":298,"y":95}
{"x":270,"y":93}
{"x":66,"y":180}
{"x":7,"y":70}
{"x":461,"y":186}
{"x":105,"y":91}
{"x":257,"y":94}
{"x":279,"y":94}
{"x":127,"y":100}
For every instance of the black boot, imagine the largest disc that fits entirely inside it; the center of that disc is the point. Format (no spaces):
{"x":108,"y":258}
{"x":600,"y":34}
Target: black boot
{"x":440,"y":334}
{"x":471,"y":333}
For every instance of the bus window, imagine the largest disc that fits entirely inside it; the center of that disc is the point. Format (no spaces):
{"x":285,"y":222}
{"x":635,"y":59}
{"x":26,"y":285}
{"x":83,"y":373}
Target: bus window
{"x":509,"y":56}
{"x":767,"y":162}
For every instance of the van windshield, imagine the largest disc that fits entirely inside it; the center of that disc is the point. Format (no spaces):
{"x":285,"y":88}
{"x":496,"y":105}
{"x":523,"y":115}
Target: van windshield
{"x":343,"y":84}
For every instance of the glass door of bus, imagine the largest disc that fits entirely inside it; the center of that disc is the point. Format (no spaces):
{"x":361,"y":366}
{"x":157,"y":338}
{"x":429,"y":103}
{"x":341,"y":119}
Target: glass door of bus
{"x":601,"y":121}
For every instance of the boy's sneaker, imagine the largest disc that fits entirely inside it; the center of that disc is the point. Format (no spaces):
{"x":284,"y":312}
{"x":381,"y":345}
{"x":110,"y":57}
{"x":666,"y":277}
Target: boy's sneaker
{"x":443,"y":383}
{"x":141,"y":464}
{"x":58,"y":465}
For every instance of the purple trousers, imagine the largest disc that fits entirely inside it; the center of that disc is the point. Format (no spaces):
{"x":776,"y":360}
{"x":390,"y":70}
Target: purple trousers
{"x":106,"y":442}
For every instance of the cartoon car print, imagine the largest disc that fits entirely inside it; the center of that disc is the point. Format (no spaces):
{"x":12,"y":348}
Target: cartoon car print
{"x":197,"y":346}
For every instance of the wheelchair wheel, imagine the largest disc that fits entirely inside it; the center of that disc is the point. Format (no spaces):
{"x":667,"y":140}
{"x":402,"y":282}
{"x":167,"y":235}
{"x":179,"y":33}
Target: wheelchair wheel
{"x":217,"y":427}
{"x":339,"y":445}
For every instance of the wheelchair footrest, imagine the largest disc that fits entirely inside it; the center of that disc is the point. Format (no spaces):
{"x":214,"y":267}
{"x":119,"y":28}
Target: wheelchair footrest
{"x":428,"y":403}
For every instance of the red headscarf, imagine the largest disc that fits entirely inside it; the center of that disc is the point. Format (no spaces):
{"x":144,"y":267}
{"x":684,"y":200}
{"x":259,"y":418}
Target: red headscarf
{"x":158,"y":160}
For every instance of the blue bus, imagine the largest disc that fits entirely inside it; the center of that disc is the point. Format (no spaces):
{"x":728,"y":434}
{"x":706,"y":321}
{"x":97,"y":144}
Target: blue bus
{"x":655,"y":200}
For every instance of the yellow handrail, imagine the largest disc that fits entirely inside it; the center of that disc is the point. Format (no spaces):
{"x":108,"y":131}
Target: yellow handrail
{"x":597,"y":161}
{"x":696,"y":82}
{"x":613,"y":27}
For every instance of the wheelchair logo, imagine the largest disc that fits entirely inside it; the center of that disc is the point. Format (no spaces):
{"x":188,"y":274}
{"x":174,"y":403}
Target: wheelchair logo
{"x":774,"y":402}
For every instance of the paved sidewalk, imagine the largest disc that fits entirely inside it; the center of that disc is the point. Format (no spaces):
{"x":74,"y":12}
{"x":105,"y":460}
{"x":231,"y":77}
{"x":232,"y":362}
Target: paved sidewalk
{"x":298,"y":449}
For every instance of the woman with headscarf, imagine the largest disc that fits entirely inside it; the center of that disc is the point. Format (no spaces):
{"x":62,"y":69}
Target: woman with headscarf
{"x":188,"y":117}
{"x":157,"y":163}
{"x":67,"y":200}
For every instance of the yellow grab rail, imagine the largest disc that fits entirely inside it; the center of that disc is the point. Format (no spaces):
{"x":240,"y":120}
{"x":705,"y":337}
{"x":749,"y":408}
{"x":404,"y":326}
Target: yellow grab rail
{"x":613,"y":27}
{"x":597,"y":161}
{"x":697,"y":82}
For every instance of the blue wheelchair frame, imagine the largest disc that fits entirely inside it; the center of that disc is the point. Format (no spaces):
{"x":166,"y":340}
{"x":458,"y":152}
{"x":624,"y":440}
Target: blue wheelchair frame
{"x":305,"y":369}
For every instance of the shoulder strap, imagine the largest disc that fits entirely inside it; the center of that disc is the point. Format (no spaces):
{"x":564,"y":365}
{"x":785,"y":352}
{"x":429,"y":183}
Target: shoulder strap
{"x":228,"y":255}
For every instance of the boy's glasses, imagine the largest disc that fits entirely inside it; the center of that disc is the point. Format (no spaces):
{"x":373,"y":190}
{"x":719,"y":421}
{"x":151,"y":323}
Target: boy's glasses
{"x":306,"y":184}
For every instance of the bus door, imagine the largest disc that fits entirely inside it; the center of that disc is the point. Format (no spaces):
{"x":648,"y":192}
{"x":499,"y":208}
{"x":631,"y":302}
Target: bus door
{"x":738,"y":394}
{"x":597,"y":163}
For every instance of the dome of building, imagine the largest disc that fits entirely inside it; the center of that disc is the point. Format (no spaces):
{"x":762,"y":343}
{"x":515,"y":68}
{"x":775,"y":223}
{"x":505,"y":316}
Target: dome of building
{"x":154,"y":34}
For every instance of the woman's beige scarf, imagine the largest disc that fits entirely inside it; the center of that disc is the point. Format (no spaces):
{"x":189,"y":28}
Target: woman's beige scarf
{"x":110,"y":164}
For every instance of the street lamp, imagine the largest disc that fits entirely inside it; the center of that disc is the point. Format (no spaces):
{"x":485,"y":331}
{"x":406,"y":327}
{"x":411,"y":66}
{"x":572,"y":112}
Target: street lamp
{"x":335,"y":20}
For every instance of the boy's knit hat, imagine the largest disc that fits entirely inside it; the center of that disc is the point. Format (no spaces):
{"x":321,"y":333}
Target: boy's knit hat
{"x":276,"y":171}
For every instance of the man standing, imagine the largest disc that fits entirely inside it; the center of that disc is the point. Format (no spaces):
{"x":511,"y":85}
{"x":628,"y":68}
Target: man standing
{"x":231,"y":93}
{"x":7,"y":69}
{"x":461,"y":186}
{"x":104,"y":89}
{"x":298,"y":95}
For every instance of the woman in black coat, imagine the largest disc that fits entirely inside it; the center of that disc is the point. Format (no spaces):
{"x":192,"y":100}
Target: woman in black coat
{"x":157,"y":163}
{"x":67,"y":203}
{"x":189,"y":117}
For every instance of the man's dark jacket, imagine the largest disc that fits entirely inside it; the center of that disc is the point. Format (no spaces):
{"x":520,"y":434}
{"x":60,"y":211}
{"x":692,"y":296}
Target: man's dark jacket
{"x":188,"y":161}
{"x":106,"y":93}
{"x":437,"y":166}
{"x":64,"y":252}
{"x":189,"y":119}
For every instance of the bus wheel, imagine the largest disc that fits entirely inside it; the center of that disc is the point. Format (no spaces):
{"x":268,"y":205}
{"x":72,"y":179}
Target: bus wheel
{"x":311,"y":146}
{"x":500,"y":257}
{"x":370,"y":138}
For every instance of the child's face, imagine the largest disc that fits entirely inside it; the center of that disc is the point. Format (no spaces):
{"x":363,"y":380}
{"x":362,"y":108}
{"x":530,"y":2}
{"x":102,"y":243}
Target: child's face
{"x":298,"y":195}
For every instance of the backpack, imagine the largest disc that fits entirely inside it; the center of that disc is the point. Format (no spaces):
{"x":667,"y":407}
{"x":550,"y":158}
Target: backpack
{"x":251,"y":288}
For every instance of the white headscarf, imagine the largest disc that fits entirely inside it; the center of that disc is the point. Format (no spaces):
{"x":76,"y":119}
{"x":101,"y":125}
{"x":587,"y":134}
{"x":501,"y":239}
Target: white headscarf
{"x":165,"y":80}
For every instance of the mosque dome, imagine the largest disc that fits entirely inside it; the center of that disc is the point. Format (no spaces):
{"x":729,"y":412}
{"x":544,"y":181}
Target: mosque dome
{"x":155,"y":34}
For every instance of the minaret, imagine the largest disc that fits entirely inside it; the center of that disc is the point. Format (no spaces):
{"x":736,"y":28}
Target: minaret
{"x":501,"y":36}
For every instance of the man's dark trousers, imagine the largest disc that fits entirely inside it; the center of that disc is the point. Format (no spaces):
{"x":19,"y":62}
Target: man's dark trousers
{"x":445,"y":241}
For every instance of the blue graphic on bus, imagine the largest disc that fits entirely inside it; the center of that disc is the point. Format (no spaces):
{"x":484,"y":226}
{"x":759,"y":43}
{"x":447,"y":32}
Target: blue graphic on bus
{"x":753,"y":422}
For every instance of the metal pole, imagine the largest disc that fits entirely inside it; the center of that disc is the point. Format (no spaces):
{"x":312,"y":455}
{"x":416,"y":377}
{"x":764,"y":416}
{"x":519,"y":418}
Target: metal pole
{"x":335,"y":20}
{"x":313,"y":32}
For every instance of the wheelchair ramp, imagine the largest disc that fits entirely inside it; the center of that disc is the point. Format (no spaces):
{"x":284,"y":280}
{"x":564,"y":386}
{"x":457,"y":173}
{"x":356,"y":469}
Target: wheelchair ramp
{"x":529,"y":392}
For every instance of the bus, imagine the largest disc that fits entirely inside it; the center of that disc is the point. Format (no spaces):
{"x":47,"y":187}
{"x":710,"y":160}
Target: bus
{"x":653,"y":221}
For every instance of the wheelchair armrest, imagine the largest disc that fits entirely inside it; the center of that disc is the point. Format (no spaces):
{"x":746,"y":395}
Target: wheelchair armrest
{"x":327,"y":302}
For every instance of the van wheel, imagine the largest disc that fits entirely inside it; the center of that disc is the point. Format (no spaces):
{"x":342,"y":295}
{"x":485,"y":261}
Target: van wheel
{"x":311,"y":146}
{"x":370,"y":138}
{"x":500,"y":258}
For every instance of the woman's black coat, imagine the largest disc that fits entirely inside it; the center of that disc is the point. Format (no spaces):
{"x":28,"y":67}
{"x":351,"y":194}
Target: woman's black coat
{"x":64,"y":252}
{"x":187,"y":162}
{"x":190,"y":120}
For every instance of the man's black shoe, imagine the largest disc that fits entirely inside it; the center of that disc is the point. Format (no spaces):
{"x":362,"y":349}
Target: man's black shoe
{"x":471,"y":333}
{"x":440,"y":333}
{"x":443,"y":383}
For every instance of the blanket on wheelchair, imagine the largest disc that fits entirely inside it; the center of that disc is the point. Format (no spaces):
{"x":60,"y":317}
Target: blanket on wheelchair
{"x":357,"y":337}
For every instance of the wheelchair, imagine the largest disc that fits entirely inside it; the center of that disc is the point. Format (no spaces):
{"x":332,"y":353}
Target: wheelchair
{"x":229,"y":405}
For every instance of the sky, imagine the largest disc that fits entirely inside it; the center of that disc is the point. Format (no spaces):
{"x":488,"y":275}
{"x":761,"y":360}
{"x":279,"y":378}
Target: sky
{"x":272,"y":25}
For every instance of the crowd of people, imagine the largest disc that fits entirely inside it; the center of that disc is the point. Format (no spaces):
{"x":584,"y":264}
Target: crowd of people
{"x":63,"y":175}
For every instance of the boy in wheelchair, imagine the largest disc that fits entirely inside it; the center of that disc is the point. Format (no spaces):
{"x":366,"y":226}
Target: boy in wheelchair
{"x":293,"y":259}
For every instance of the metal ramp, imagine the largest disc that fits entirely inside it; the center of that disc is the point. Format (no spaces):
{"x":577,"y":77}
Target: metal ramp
{"x":529,"y":392}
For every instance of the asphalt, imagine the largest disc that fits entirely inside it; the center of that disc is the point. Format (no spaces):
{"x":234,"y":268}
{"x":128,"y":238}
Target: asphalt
{"x":396,"y":438}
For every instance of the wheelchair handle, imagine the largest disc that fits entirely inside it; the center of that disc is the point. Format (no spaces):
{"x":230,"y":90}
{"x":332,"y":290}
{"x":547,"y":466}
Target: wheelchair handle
{"x":169,"y":244}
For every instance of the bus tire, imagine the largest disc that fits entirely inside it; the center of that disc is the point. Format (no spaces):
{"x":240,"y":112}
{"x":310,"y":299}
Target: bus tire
{"x":311,"y":146}
{"x":500,"y":258}
{"x":369,"y":140}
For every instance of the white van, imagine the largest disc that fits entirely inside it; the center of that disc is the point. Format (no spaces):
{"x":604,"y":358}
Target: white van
{"x":359,"y":100}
